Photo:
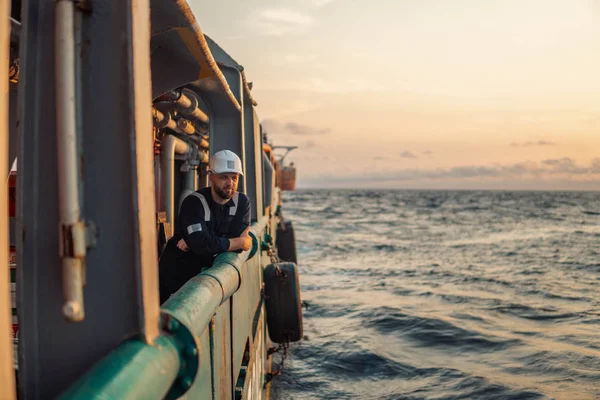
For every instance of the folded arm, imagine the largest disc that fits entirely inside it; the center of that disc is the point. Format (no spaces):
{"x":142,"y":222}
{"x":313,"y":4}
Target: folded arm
{"x":197,"y":237}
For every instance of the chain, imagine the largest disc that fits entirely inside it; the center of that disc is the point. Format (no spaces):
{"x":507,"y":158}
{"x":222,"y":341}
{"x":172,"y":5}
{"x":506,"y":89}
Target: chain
{"x":282,"y":346}
{"x":272,"y":253}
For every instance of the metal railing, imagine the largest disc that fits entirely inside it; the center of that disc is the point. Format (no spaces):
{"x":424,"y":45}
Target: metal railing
{"x":180,"y":361}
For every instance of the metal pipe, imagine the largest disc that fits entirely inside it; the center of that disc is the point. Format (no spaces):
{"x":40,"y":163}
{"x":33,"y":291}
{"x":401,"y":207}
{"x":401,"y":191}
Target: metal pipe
{"x":200,"y":141}
{"x":189,"y":185}
{"x":186,"y":126}
{"x":170,"y":145}
{"x":134,"y":370}
{"x":15,"y":31}
{"x":72,"y":228}
{"x":187,"y":104}
{"x":203,"y":157}
{"x":163,"y":120}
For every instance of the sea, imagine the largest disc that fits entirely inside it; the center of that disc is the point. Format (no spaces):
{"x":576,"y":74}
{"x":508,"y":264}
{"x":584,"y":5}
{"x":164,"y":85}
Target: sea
{"x":445,"y":295}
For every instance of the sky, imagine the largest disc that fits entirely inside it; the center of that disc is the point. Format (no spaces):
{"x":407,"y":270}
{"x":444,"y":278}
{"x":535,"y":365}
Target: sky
{"x":423,"y":94}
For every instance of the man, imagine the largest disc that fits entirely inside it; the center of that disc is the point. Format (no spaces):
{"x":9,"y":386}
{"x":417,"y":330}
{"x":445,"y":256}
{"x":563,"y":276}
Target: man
{"x":212,"y":220}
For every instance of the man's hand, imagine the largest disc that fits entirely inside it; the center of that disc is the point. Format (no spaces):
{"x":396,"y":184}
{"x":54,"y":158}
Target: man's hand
{"x":247,"y":245}
{"x":244,"y":242}
{"x":182,"y":245}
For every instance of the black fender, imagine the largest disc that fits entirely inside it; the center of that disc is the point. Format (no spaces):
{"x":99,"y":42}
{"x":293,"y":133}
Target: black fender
{"x":282,"y":302}
{"x":286,"y":242}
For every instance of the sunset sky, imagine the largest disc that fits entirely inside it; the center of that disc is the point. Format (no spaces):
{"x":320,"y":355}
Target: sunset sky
{"x":462,"y":94}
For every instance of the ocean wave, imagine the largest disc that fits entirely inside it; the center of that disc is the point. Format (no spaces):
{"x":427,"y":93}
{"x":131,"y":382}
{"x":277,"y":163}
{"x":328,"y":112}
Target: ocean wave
{"x":445,"y":295}
{"x":536,"y":313}
{"x":433,"y":332}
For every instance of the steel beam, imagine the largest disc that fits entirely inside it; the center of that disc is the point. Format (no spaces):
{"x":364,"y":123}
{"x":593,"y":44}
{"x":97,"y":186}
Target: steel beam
{"x":253,"y":144}
{"x":114,"y":130}
{"x":226,"y":120}
{"x":7,"y":375}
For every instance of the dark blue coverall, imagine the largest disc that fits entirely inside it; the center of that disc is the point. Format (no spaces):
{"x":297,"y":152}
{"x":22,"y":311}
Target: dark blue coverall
{"x":206,"y":227}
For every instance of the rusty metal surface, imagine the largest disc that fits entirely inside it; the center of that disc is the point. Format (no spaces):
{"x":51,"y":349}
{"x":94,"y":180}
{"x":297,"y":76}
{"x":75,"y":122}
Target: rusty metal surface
{"x":195,"y":303}
{"x":118,"y":274}
{"x":202,"y":387}
{"x":253,"y":142}
{"x":221,"y":348}
{"x":176,"y":35}
{"x":224,"y":59}
{"x":7,"y":377}
{"x":175,"y":28}
{"x":244,"y":304}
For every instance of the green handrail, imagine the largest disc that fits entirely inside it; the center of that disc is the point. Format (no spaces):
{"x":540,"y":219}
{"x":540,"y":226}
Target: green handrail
{"x":136,"y":370}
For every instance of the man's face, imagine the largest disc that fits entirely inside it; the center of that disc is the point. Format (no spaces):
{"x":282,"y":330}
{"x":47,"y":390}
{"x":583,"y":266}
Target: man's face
{"x":225,"y":185}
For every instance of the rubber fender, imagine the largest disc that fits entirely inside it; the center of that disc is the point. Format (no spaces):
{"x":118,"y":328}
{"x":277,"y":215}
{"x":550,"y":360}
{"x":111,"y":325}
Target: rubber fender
{"x":282,"y":302}
{"x":286,"y":242}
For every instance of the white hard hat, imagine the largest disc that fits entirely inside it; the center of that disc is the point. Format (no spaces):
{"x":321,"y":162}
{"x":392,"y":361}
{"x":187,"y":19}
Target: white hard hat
{"x":225,"y":161}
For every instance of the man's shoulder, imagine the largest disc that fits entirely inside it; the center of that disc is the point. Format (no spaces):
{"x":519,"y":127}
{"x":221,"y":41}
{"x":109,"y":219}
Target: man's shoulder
{"x":243,"y":199}
{"x":197,"y":196}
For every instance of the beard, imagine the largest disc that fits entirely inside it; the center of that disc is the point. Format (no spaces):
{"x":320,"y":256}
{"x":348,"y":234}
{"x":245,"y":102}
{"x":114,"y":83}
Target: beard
{"x":224,"y":193}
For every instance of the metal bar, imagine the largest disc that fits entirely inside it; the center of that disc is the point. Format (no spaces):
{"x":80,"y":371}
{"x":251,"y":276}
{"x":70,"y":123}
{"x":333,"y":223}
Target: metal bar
{"x":134,"y":370}
{"x":253,"y":147}
{"x":143,"y":174}
{"x":7,"y":376}
{"x":72,"y":230}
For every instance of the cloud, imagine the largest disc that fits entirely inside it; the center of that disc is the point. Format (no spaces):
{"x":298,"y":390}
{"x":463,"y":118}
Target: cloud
{"x":544,"y":171}
{"x":296,"y":58}
{"x":310,"y":144}
{"x":321,"y":3}
{"x":564,"y":163}
{"x":427,"y":152}
{"x":408,"y":154}
{"x":301,"y":129}
{"x":280,"y":21}
{"x":327,"y":86}
{"x":292,"y":128}
{"x":560,"y":166}
{"x":532,"y":144}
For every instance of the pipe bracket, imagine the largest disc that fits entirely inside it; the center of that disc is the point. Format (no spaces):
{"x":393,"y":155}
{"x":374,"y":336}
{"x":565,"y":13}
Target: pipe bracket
{"x":73,"y":240}
{"x":189,"y":354}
